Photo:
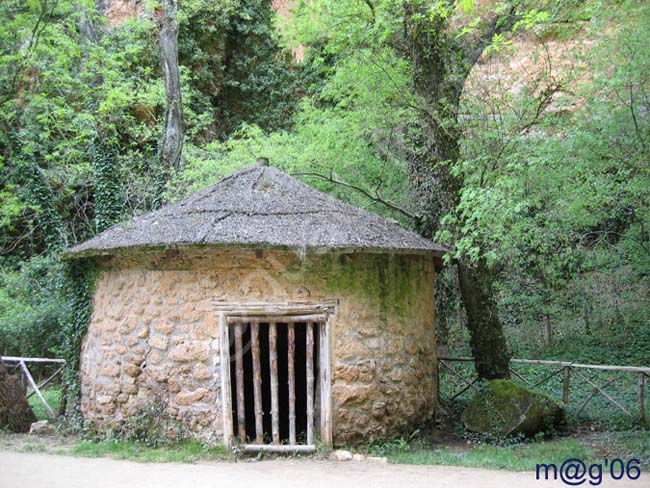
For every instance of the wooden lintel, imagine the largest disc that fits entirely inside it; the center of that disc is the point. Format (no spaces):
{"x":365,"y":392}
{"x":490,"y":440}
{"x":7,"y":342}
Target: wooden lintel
{"x":256,"y":319}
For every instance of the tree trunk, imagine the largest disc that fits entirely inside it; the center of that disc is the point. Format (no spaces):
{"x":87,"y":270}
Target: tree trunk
{"x":548,"y":331}
{"x":440,"y":67}
{"x":488,"y":343}
{"x":16,"y":415}
{"x":173,"y":138}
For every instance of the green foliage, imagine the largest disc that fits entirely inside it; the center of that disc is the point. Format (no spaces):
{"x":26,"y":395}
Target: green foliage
{"x":81,"y":116}
{"x":555,"y":192}
{"x":563,"y":211}
{"x":76,"y":286}
{"x":236,"y":68}
{"x":108,"y":192}
{"x":32,"y":313}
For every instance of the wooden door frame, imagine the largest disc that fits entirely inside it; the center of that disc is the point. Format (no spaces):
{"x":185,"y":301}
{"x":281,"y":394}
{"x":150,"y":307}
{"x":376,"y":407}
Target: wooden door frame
{"x":275,"y":311}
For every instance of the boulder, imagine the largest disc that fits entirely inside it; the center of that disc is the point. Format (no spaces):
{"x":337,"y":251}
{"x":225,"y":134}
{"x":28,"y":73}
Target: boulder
{"x":16,"y":414}
{"x":341,"y":455}
{"x":42,"y":427}
{"x":504,"y":408}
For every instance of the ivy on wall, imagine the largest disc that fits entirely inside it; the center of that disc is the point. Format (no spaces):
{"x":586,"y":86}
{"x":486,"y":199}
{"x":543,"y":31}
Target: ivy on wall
{"x":77,"y":285}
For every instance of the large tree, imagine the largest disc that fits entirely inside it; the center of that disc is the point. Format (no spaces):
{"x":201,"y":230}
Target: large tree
{"x":442,"y":59}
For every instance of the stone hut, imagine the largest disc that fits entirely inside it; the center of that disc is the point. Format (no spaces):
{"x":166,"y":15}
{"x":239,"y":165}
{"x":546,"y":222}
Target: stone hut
{"x":263,"y":312}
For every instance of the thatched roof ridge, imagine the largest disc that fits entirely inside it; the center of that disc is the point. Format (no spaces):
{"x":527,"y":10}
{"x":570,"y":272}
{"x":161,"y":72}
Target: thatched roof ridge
{"x":259,"y":207}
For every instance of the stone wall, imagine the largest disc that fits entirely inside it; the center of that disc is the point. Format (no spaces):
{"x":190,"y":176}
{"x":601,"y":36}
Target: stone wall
{"x":154,"y":332}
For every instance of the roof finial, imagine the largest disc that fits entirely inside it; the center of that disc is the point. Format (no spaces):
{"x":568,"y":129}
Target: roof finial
{"x":261,"y":161}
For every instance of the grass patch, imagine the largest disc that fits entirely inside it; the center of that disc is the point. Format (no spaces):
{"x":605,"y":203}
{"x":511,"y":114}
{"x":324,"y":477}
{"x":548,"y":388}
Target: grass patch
{"x":522,"y":457}
{"x":52,"y":396}
{"x":591,"y":448}
{"x":184,"y":452}
{"x":33,"y":447}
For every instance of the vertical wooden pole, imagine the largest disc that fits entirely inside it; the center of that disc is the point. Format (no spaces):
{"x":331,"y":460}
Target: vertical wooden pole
{"x":273,"y":363}
{"x":310,"y":383}
{"x":291,"y":339}
{"x":640,"y":400}
{"x":239,"y":371}
{"x":257,"y":383}
{"x":226,"y":399}
{"x":325,"y":369}
{"x":565,"y":384}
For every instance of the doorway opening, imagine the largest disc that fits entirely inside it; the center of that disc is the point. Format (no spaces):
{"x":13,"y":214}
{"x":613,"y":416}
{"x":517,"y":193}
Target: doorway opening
{"x":275,"y":380}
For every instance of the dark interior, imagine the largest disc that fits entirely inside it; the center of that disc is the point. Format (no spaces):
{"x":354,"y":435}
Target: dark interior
{"x":283,"y":382}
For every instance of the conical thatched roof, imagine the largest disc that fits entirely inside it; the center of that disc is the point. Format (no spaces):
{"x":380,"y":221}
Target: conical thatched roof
{"x":259,"y":207}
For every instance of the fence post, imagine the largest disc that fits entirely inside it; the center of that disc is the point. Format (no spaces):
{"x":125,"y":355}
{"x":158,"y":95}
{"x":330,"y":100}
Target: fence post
{"x":640,"y":400}
{"x":438,"y":380}
{"x":565,"y":384}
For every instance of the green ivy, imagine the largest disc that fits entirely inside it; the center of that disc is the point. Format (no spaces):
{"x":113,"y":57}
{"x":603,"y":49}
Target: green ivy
{"x":107,"y":182}
{"x":77,"y":285}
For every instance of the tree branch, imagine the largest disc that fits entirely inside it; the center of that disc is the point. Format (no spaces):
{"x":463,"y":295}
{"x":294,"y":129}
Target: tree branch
{"x":375,"y":197}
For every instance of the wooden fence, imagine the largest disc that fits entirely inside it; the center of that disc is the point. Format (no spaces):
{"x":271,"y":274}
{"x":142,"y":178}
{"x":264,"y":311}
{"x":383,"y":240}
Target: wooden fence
{"x":21,"y":363}
{"x":570,"y":373}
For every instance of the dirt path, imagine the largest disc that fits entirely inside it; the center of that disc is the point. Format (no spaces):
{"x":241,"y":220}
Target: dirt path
{"x":28,"y":470}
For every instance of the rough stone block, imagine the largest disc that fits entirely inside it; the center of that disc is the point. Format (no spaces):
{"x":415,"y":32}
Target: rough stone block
{"x":105,"y":399}
{"x":190,"y":351}
{"x":159,"y":342}
{"x":201,"y":372}
{"x":163,"y":326}
{"x":173,"y":386}
{"x":132,"y":370}
{"x":159,"y":373}
{"x":347,"y":373}
{"x":189,"y":397}
{"x":350,"y":394}
{"x":130,"y":389}
{"x":110,"y":370}
{"x":155,"y":357}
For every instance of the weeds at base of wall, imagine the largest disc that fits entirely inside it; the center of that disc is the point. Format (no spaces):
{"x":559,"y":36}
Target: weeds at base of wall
{"x":152,"y":426}
{"x":181,"y":452}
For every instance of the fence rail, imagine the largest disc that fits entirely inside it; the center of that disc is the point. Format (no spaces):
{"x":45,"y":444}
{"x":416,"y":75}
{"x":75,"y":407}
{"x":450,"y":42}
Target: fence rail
{"x":20,"y":362}
{"x":567,"y":370}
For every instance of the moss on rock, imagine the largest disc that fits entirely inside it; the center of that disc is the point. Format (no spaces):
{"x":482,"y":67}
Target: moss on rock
{"x":503,"y":408}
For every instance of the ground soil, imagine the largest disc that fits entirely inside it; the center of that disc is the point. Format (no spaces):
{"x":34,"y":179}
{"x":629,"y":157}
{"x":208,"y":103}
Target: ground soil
{"x":32,"y":470}
{"x":31,"y":462}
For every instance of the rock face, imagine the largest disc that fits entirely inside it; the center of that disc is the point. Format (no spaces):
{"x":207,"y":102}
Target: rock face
{"x":155,"y":332}
{"x":503,"y":408}
{"x":15,"y":413}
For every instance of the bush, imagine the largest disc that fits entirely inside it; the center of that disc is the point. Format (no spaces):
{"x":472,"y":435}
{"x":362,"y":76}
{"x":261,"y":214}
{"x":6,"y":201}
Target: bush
{"x":31,"y":309}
